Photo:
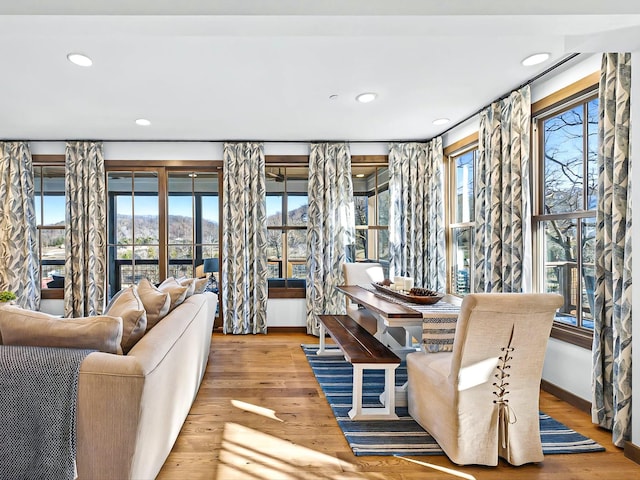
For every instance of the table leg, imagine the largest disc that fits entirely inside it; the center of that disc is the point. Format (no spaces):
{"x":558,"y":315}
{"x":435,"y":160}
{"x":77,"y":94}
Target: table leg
{"x":383,"y":335}
{"x":388,"y":411}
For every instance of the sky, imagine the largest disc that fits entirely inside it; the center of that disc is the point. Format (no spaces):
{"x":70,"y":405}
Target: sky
{"x":53,"y":209}
{"x":274,"y":203}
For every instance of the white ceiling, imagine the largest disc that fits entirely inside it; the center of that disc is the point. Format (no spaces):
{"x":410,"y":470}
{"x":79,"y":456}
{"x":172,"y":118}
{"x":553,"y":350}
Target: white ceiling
{"x":264,"y":69}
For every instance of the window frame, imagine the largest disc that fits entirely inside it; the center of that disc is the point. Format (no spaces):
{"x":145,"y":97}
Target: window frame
{"x":451,"y":154}
{"x":197,"y":219}
{"x":303,"y":160}
{"x":163,"y":169}
{"x":379,"y":162}
{"x":40,"y":161}
{"x":579,"y":93}
{"x":284,"y":289}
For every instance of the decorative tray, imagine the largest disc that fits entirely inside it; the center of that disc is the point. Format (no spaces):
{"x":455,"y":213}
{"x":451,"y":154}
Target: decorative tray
{"x":423,"y":299}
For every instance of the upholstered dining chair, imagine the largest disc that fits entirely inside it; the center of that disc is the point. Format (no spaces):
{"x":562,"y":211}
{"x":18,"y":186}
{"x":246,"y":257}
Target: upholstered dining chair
{"x":480,"y":401}
{"x":362,"y":274}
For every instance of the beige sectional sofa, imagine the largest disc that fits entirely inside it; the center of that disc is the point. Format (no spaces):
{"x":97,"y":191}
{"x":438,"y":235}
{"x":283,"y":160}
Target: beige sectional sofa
{"x":131,"y":407}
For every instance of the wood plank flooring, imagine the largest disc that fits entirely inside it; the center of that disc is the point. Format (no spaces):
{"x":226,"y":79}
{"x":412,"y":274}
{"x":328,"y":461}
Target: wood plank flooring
{"x":260,"y":415}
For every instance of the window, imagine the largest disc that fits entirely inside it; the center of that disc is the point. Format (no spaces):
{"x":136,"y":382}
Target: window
{"x":133,"y":229}
{"x":566,"y":201}
{"x":287,"y":217}
{"x":371,"y":213}
{"x":461,"y":219}
{"x":161,"y":222}
{"x":192,"y":221}
{"x":49,"y":186}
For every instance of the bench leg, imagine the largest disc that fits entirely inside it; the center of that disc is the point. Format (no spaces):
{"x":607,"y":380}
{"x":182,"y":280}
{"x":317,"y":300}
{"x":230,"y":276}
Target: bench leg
{"x":322,"y":350}
{"x":388,"y":411}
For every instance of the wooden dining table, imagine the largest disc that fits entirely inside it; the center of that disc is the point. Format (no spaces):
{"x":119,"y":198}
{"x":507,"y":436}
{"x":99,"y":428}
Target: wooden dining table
{"x":391,"y":311}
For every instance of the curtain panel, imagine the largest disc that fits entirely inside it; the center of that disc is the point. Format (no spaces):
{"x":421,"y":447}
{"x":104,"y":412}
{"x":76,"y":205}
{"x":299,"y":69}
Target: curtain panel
{"x":612,"y":301}
{"x":502,"y":244}
{"x":244,"y":241}
{"x":331,"y":229}
{"x":19,"y":269}
{"x":85,"y":230}
{"x":417,"y":245}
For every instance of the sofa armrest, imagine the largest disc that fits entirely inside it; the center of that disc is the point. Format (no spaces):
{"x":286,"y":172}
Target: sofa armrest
{"x":131,"y":408}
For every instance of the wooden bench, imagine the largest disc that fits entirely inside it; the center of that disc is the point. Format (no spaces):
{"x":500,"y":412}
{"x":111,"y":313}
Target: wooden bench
{"x":364,"y":352}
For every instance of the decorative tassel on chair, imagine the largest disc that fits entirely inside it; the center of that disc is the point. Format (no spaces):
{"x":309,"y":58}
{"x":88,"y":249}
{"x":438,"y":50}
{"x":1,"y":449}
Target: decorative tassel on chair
{"x":506,"y":415}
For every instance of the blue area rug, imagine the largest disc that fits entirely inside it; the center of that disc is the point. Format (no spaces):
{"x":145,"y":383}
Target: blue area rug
{"x":404,"y":436}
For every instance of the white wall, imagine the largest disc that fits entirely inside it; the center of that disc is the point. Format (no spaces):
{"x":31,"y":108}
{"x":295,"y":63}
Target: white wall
{"x":52,"y":307}
{"x":568,"y":367}
{"x":286,"y":312}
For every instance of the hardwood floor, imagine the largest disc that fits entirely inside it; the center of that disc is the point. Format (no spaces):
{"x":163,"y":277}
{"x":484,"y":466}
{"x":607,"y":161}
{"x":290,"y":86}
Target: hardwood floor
{"x":261,"y":415}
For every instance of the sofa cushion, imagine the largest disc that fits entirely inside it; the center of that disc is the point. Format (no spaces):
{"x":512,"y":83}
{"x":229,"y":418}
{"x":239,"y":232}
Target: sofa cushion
{"x":172,"y":287}
{"x":156,"y":303}
{"x":438,"y":334}
{"x":127,"y":305}
{"x":26,"y":327}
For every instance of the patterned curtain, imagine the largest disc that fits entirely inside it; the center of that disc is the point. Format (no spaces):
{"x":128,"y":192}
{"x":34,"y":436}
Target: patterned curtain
{"x":18,"y":244}
{"x":502,"y":244}
{"x":612,"y":304}
{"x":331,"y":228}
{"x":416,"y":213}
{"x":85,"y":230}
{"x":244,"y":241}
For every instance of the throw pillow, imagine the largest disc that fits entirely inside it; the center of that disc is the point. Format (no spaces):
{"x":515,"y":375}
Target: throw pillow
{"x":189,"y":283}
{"x":36,"y":329}
{"x":127,"y":305}
{"x":156,"y":303}
{"x":195,"y":285}
{"x":172,"y":287}
{"x":200,"y":285}
{"x":438,"y":334}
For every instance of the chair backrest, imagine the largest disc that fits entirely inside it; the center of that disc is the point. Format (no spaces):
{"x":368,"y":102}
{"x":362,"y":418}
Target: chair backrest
{"x":496,"y":368}
{"x":362,"y":273}
{"x":491,"y":322}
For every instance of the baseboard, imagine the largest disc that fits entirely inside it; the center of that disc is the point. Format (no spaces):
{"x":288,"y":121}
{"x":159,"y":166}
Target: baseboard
{"x":287,"y":329}
{"x":275,"y":329}
{"x":632,"y":452}
{"x":570,"y":398}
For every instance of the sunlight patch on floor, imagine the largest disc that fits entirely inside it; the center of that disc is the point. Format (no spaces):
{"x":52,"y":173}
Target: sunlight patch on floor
{"x":249,"y":407}
{"x":249,"y":453}
{"x":440,"y":468}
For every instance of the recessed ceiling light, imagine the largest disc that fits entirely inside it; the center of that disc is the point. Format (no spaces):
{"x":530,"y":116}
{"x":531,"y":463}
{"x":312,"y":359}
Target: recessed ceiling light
{"x":143,"y":122}
{"x":80,"y":59}
{"x":366,"y":97}
{"x":441,"y":121}
{"x":360,"y":175}
{"x":535,"y":59}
